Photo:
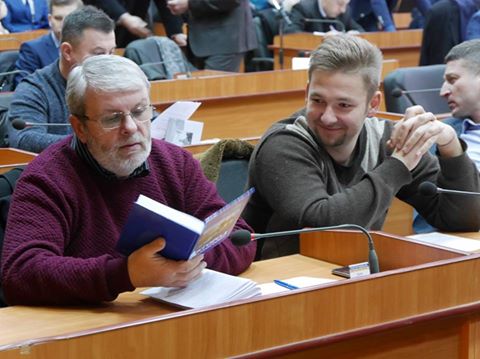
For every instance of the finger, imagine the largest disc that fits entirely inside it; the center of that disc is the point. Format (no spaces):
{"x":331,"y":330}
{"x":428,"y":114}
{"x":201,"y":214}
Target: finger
{"x":182,"y":279}
{"x":190,"y":265}
{"x":420,"y":136}
{"x":414,"y":111}
{"x":404,"y":129}
{"x":155,"y":245}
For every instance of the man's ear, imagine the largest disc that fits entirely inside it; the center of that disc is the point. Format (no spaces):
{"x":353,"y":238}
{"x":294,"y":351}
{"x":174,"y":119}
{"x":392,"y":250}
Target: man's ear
{"x":66,"y":51}
{"x":79,"y":128}
{"x":374,"y":104}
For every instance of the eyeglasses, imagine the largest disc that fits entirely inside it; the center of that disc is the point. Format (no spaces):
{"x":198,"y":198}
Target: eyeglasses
{"x":114,"y":120}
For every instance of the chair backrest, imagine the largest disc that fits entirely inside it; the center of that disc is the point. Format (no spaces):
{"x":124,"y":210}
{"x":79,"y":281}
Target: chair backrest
{"x":8,"y":181}
{"x":5,"y":99}
{"x":415,"y":78}
{"x":226,"y":164}
{"x":159,"y":57}
{"x":7,"y":64}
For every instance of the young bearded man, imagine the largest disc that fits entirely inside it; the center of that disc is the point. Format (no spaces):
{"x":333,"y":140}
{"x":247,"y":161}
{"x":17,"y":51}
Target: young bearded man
{"x":338,"y":164}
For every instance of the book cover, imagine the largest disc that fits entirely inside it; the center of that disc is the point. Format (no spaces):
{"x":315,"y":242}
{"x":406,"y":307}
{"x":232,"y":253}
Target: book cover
{"x":185,"y":235}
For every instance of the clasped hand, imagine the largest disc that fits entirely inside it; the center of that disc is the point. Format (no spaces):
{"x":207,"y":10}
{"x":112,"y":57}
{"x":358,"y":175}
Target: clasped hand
{"x":413,"y":136}
{"x":148,"y":269}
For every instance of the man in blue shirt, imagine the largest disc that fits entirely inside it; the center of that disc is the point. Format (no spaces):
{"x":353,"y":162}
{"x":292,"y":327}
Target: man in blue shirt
{"x":26,"y":15}
{"x":461,"y":89}
{"x":40,"y":52}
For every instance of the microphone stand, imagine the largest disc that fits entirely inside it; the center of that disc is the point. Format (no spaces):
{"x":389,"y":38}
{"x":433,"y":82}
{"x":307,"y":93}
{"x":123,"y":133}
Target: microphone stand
{"x":281,"y":24}
{"x":372,"y":255}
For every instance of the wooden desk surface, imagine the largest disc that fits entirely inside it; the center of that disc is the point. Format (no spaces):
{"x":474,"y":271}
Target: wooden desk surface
{"x":403,"y":45}
{"x":14,"y":40}
{"x":12,"y":157}
{"x":21,"y":324}
{"x":423,"y":305}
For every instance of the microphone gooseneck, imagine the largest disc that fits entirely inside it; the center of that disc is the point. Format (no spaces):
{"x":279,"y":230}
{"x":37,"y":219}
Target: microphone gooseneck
{"x":243,"y":237}
{"x":429,"y":189}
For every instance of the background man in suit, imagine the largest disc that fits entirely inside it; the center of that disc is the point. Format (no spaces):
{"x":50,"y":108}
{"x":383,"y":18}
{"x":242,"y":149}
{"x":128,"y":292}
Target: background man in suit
{"x":335,"y":10}
{"x":374,"y":15}
{"x":40,"y":97}
{"x":220,"y":32}
{"x":38,"y":53}
{"x":26,"y":15}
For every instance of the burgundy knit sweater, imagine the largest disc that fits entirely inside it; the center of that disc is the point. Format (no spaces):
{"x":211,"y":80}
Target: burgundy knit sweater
{"x":65,"y":220}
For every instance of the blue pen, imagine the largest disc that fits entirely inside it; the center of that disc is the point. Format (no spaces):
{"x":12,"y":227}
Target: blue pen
{"x":283,"y":284}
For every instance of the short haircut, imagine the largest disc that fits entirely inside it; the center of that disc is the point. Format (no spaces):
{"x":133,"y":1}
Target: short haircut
{"x":63,"y":3}
{"x":87,"y":17}
{"x":102,"y":73}
{"x":349,"y":54}
{"x":469,"y":51}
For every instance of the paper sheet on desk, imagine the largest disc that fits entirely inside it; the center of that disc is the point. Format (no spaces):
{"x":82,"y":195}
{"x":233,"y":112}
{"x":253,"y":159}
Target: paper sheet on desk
{"x":179,"y":111}
{"x":300,"y":282}
{"x":448,"y":241}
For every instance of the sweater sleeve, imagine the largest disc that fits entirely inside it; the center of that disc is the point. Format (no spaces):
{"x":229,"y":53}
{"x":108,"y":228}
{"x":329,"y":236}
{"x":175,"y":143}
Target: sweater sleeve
{"x":446,"y":212}
{"x":31,"y":104}
{"x":36,"y":269}
{"x":294,"y":180}
{"x":202,"y":200}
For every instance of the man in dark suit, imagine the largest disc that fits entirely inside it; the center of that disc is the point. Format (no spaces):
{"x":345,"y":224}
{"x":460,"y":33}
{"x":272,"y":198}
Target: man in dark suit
{"x":25,"y":15}
{"x":332,"y":12}
{"x":38,"y":53}
{"x":220,"y":32}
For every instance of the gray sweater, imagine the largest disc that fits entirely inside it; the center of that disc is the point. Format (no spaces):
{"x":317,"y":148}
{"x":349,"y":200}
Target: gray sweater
{"x":39,"y":98}
{"x":299,"y":185}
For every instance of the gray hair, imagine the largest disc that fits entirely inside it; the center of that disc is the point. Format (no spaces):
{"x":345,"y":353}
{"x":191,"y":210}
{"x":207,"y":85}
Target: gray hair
{"x":349,"y":54}
{"x":86,"y":17}
{"x":469,"y":51}
{"x":102,"y":73}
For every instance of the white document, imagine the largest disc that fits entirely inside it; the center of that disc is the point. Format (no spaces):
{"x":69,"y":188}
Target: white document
{"x":300,"y":63}
{"x":448,"y":241}
{"x":209,"y":289}
{"x":174,"y":122}
{"x":299,"y":282}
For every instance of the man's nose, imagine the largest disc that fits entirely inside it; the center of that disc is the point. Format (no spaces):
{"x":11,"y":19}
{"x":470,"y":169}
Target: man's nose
{"x":445,"y":90}
{"x":328,"y":116}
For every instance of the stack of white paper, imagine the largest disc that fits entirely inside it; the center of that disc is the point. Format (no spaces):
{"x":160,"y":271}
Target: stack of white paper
{"x":449,"y":241}
{"x":209,"y":289}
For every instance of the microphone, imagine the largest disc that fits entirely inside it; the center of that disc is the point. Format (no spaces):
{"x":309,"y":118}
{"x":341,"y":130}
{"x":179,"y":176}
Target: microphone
{"x":242,"y":237}
{"x":19,"y":124}
{"x":397,"y":92}
{"x":338,"y":23}
{"x":429,"y":189}
{"x":281,"y":11}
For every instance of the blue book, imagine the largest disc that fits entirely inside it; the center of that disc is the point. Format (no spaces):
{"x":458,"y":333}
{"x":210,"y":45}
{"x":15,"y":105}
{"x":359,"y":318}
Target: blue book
{"x":185,"y":235}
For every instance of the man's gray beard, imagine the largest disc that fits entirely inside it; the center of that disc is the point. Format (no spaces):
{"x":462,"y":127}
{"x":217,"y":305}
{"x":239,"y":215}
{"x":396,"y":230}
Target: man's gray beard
{"x":120,"y":167}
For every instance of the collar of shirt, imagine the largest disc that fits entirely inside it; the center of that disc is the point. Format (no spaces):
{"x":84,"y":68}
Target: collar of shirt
{"x":55,"y":40}
{"x":31,"y":5}
{"x":469,"y":125}
{"x":83,"y":152}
